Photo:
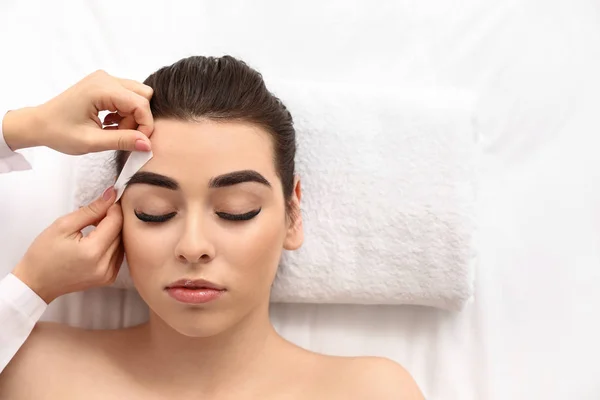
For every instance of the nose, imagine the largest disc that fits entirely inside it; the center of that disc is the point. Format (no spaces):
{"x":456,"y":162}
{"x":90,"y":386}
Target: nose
{"x":194,"y":246}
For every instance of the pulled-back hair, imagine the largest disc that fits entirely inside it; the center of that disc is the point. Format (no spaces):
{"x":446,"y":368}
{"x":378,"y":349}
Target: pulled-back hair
{"x":224,"y":89}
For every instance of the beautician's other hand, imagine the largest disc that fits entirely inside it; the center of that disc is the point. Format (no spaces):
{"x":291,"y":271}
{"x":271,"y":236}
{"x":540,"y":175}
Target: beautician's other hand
{"x":61,"y":260}
{"x":69,"y":122}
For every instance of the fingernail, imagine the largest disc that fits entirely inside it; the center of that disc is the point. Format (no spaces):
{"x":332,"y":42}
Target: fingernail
{"x":108,"y":193}
{"x":142,"y":145}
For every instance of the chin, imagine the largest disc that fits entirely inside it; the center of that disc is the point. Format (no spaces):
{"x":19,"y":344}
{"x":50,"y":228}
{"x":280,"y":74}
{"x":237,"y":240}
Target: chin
{"x":196,"y":330}
{"x":197,"y":323}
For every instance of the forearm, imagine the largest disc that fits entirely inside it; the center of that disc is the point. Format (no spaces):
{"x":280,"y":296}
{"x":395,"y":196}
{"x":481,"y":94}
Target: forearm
{"x":20,"y":128}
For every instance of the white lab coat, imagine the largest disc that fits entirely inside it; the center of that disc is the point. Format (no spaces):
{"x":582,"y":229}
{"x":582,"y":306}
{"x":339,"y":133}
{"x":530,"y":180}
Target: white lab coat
{"x":20,"y":307}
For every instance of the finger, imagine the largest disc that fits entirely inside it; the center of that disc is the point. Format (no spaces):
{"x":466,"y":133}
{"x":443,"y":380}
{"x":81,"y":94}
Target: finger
{"x":127,"y":102}
{"x":109,"y":254}
{"x":117,"y":259}
{"x":119,"y":256}
{"x":112,"y":118}
{"x":97,"y":121}
{"x":87,"y":215}
{"x":112,"y":260}
{"x":115,"y":138}
{"x":108,"y":230}
{"x":137,"y":87}
{"x":128,"y":123}
{"x":138,"y":107}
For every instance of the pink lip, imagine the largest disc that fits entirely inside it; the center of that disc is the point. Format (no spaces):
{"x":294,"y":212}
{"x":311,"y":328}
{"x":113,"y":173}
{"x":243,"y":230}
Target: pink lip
{"x":194,"y":296}
{"x":195,"y":291}
{"x":195,"y":284}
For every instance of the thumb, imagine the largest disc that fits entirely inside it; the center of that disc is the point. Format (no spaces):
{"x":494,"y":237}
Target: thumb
{"x":90,"y":214}
{"x":113,"y":138}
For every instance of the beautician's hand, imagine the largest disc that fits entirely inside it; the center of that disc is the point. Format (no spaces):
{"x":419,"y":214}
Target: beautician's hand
{"x":60,"y":260}
{"x":69,"y":122}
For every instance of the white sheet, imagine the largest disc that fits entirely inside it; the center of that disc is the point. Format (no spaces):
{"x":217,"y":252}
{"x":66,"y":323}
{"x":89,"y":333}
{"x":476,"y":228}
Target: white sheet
{"x":531,"y":332}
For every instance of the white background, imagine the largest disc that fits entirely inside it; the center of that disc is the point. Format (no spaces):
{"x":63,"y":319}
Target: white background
{"x":532,"y":332}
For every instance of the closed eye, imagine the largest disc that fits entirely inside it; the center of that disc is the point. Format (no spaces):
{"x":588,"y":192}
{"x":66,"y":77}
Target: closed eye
{"x":164,"y":218}
{"x":239,"y":217}
{"x":154,"y":218}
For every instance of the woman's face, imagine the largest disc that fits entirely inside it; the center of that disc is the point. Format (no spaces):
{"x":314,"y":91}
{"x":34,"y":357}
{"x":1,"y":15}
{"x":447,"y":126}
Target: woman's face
{"x":208,"y":205}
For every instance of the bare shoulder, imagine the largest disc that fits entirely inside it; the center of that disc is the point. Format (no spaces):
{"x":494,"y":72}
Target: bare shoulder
{"x":386,"y":378}
{"x":376,"y":378}
{"x":49,"y":347}
{"x":47,"y":342}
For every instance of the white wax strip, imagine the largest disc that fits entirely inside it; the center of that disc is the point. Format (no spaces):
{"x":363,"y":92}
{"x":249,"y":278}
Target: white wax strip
{"x":135,"y":162}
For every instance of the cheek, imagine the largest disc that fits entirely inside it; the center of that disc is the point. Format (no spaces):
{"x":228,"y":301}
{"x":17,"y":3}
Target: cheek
{"x":254,"y":251}
{"x":145,"y":248}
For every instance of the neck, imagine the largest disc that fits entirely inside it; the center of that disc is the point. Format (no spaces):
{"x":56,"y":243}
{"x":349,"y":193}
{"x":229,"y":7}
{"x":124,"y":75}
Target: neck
{"x":211,"y":364}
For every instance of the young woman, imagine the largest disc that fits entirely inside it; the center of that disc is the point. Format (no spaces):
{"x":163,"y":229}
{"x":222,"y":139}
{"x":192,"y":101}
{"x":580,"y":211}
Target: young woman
{"x":205,"y":222}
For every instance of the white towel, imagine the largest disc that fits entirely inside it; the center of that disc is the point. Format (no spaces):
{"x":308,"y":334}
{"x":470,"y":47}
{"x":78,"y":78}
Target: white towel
{"x":388,"y":179}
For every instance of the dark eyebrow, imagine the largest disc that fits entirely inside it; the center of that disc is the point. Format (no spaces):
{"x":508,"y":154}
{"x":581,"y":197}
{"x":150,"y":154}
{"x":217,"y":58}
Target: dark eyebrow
{"x":229,"y":179}
{"x":151,"y":178}
{"x":233,"y":178}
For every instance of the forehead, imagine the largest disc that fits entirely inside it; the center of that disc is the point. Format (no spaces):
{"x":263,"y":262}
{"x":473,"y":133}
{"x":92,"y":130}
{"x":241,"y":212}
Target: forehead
{"x":209,"y":148}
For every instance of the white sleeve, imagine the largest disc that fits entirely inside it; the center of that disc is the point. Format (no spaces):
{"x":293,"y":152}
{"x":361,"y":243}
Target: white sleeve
{"x":9,"y":160}
{"x":20,"y":309}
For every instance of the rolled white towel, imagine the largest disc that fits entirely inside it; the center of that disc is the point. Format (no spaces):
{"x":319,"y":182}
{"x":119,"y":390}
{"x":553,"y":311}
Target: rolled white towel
{"x":388,"y":177}
{"x":388,"y":196}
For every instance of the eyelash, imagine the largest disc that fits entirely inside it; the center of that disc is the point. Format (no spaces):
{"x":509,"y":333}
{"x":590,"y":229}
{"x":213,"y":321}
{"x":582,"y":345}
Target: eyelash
{"x":229,"y":217}
{"x":154,"y":218}
{"x":239,"y":217}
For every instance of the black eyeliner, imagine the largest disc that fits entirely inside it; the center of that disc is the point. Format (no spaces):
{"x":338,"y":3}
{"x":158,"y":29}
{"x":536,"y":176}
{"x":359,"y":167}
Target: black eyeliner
{"x":154,"y":218}
{"x":239,"y":217}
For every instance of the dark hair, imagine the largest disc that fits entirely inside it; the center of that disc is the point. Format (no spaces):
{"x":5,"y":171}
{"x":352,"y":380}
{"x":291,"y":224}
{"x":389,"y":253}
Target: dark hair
{"x":224,"y":89}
